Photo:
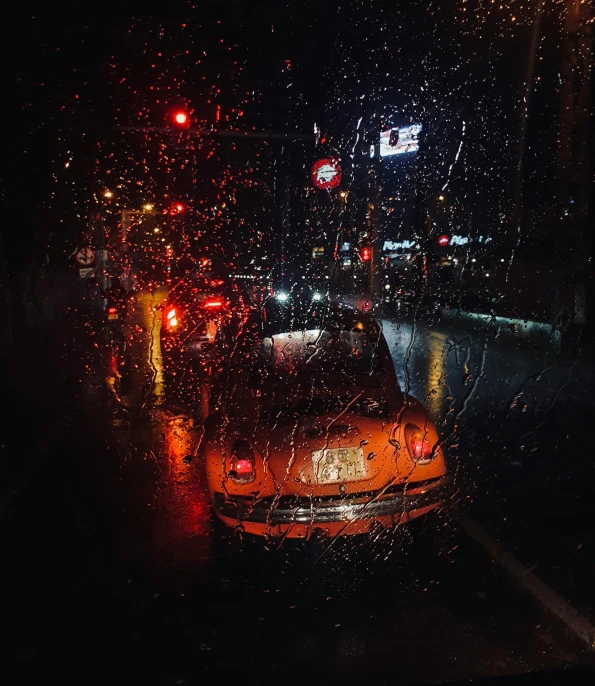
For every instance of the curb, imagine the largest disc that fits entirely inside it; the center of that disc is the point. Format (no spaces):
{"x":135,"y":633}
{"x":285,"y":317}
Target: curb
{"x":521,"y":328}
{"x":551,"y":600}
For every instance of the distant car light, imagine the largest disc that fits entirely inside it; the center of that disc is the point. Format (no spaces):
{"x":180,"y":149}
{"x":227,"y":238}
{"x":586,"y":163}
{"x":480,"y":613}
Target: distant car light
{"x":172,"y":319}
{"x":214,"y":304}
{"x":317,"y":296}
{"x":282,"y":297}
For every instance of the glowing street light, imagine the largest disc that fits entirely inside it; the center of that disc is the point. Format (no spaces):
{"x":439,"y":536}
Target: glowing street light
{"x":148,"y":207}
{"x":108,"y":194}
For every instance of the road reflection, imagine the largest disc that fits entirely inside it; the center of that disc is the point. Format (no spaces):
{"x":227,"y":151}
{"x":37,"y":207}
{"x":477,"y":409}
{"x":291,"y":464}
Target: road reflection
{"x":420,"y":357}
{"x":142,"y":331}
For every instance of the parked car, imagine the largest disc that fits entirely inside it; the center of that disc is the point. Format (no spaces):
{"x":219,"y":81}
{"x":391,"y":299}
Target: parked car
{"x":196,"y":317}
{"x":315,"y":435}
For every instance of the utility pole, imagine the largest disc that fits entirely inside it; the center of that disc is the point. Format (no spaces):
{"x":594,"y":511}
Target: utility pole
{"x":574,"y":185}
{"x":575,"y":111}
{"x":522,"y":142}
{"x":375,"y":266}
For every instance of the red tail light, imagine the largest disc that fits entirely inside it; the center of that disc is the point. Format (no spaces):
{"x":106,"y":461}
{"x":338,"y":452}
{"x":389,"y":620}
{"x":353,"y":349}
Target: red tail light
{"x":213,"y":304}
{"x":111,"y":310}
{"x":418,"y":444}
{"x":171,"y":319}
{"x":243,"y":470}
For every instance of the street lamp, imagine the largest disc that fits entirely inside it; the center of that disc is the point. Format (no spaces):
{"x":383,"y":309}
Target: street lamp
{"x":148,"y":207}
{"x":108,"y":194}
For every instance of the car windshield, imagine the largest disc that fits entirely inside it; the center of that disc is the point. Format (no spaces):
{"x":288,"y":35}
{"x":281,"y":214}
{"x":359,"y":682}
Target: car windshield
{"x":297,"y":341}
{"x":331,"y":357}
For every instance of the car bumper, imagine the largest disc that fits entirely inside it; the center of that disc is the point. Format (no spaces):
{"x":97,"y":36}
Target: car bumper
{"x":402,"y":504}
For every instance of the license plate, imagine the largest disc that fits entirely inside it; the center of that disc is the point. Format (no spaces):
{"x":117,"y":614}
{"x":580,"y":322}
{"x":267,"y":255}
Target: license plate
{"x":334,"y":465}
{"x":112,"y":316}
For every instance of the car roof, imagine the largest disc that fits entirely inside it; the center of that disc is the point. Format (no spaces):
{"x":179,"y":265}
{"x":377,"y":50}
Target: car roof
{"x":275,"y":318}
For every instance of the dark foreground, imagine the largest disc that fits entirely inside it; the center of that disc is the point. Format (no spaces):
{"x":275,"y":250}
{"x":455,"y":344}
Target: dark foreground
{"x":111,"y":573}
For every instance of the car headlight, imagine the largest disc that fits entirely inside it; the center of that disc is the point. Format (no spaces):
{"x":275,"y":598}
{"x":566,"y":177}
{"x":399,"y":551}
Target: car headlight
{"x":282,"y":297}
{"x":317,"y":296}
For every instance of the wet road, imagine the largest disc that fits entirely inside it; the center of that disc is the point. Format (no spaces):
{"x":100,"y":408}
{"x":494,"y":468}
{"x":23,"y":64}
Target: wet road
{"x":118,"y":567}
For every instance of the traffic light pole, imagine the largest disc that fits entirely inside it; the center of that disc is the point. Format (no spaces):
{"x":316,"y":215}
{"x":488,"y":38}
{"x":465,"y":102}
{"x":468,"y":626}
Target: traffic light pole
{"x":207,"y":133}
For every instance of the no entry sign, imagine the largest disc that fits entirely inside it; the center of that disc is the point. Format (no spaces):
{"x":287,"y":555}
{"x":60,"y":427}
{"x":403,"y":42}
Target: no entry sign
{"x":326,"y":173}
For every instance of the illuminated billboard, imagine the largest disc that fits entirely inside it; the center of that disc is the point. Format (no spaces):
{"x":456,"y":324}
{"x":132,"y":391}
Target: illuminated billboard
{"x":399,"y":141}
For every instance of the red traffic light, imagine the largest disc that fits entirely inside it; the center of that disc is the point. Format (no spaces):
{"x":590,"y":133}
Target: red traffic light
{"x":443,"y":240}
{"x":365,"y":254}
{"x":181,"y":119}
{"x":176,"y":208}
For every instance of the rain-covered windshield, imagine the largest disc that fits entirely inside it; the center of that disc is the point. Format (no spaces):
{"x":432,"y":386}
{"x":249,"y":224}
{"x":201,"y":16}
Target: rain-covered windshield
{"x":297,"y":341}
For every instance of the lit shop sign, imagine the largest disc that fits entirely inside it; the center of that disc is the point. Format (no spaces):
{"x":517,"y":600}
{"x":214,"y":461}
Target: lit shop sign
{"x":464,"y":240}
{"x":400,"y":140}
{"x":399,"y":245}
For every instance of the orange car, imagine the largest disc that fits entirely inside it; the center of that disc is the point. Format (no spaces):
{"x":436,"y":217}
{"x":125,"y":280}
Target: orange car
{"x":315,"y":434}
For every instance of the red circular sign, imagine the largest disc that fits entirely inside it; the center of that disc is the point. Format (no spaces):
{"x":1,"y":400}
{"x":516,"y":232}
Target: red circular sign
{"x":85,"y":257}
{"x":443,"y":240}
{"x":326,"y":173}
